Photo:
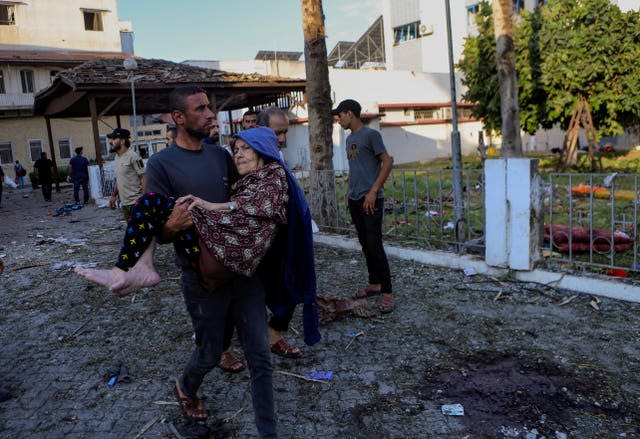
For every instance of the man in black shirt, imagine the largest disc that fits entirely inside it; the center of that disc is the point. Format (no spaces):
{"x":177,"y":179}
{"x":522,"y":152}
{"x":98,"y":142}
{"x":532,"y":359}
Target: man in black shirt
{"x":44,"y":168}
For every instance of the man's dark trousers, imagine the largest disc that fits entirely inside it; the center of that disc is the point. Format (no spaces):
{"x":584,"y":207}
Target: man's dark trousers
{"x":244,"y":299}
{"x":369,"y":228}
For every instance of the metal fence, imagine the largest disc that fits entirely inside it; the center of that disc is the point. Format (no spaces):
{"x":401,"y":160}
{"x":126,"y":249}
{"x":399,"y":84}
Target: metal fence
{"x":591,"y":221}
{"x":418,"y":207}
{"x":107,"y":181}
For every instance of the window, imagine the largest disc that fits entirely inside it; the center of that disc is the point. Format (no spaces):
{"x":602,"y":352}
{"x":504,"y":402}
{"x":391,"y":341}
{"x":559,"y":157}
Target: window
{"x":518,"y":5}
{"x":92,"y":20}
{"x":6,"y":156}
{"x":7,"y":15}
{"x":64,"y":147}
{"x":2,"y":90}
{"x":424,"y":114}
{"x":472,"y":11}
{"x":52,"y":75}
{"x":26,"y":77}
{"x":104,"y":147}
{"x":406,"y":32}
{"x":35,"y":149}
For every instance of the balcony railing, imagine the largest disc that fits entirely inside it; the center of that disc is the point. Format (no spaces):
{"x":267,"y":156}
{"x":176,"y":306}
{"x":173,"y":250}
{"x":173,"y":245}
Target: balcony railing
{"x":16,"y":101}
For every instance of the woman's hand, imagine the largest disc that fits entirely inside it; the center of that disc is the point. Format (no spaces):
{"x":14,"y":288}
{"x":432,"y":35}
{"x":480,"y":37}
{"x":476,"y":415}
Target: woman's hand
{"x":192,"y":201}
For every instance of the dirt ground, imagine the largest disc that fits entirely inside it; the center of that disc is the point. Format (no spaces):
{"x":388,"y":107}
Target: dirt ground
{"x":523,"y":360}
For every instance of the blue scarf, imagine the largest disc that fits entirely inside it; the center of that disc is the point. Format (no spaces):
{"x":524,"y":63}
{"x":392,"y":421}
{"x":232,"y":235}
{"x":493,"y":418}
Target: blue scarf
{"x":288,"y":271}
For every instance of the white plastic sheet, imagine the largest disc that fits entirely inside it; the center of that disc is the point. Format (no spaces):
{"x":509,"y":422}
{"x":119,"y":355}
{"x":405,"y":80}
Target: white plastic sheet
{"x":8,"y":181}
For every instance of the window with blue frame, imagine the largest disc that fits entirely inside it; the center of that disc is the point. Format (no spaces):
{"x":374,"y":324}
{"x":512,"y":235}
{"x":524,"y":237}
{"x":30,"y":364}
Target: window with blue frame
{"x":472,"y":11}
{"x":406,"y":32}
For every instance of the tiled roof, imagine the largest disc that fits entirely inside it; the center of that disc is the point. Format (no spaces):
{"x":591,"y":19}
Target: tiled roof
{"x":101,"y":71}
{"x":107,"y":83}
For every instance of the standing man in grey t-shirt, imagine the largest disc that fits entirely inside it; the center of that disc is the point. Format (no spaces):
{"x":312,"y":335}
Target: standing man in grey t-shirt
{"x":369,"y":167}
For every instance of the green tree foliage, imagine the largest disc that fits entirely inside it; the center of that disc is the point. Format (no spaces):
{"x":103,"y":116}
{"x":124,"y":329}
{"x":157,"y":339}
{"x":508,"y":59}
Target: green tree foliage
{"x":480,"y":71}
{"x":564,"y":50}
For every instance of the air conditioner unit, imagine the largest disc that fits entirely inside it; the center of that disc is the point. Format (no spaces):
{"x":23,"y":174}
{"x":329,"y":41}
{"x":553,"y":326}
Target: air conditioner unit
{"x":426,"y":30}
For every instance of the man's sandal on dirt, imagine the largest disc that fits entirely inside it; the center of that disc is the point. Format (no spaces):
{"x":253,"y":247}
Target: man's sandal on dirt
{"x":387,"y":303}
{"x":191,"y":406}
{"x":230,"y":363}
{"x":284,"y":349}
{"x":366,"y":292}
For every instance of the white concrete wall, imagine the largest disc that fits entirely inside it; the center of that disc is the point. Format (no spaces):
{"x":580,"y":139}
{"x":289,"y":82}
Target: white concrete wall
{"x":414,"y":143}
{"x":514,"y":212}
{"x":60,"y":25}
{"x":388,"y":86}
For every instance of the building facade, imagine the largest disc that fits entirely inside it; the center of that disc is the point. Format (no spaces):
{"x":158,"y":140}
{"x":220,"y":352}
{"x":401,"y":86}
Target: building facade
{"x":38,"y":39}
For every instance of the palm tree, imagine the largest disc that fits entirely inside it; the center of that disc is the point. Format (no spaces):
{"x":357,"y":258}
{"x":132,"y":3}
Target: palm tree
{"x":322,"y":199}
{"x":505,"y":54}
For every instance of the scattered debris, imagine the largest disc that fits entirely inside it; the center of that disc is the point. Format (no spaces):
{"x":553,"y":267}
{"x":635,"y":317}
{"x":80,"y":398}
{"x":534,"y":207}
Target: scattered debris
{"x":469,"y":271}
{"x":452,"y":410}
{"x":146,"y":427}
{"x":232,"y":417}
{"x":320,"y":375}
{"x":174,"y":431}
{"x":334,"y":308}
{"x":302,"y":377}
{"x":76,"y":332}
{"x":166,"y":402}
{"x":354,"y":335}
{"x":565,"y":301}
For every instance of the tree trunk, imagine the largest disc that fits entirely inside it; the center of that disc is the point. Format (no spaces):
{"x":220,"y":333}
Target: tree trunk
{"x":505,"y":54}
{"x":322,"y":196}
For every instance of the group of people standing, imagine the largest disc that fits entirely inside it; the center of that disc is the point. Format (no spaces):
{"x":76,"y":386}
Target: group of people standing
{"x":241,"y":229}
{"x":78,"y":174}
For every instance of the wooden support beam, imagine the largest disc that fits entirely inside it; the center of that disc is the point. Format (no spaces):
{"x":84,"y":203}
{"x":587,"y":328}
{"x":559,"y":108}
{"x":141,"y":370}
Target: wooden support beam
{"x":52,"y":151}
{"x":94,"y":128}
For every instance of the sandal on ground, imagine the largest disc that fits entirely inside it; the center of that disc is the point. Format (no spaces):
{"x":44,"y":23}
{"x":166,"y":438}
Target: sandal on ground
{"x":284,"y":349}
{"x":230,"y":363}
{"x":366,"y":292}
{"x":387,"y":303}
{"x":191,"y":406}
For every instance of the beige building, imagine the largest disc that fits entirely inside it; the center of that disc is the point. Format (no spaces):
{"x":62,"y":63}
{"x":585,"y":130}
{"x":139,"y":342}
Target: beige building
{"x":38,"y":38}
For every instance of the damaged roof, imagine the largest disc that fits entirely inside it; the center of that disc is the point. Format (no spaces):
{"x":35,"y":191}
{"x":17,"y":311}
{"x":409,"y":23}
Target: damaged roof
{"x":108,"y":84}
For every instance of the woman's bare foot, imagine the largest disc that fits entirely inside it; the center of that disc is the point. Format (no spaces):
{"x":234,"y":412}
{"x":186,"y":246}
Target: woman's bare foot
{"x":121,"y":282}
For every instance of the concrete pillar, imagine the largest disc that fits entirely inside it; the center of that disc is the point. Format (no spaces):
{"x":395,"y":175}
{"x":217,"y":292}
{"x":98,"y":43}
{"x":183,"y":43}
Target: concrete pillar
{"x":513,"y":212}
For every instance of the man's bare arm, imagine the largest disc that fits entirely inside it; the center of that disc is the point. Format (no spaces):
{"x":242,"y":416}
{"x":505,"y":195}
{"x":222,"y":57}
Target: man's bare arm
{"x":369,"y":204}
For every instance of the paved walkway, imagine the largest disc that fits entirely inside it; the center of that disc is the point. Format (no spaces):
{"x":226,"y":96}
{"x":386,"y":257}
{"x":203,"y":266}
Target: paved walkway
{"x":60,"y":335}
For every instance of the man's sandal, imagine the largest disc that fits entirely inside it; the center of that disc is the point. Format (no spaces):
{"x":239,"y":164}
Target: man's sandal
{"x":191,"y":406}
{"x":387,"y":303}
{"x":284,"y":349}
{"x":366,"y":292}
{"x":230,"y":363}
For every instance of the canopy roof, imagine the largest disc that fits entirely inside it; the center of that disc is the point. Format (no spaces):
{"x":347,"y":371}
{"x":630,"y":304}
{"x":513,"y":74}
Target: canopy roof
{"x":108,"y":83}
{"x":368,"y":49}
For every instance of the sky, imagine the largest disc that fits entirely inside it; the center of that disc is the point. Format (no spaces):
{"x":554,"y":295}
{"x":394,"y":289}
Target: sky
{"x":235,"y":30}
